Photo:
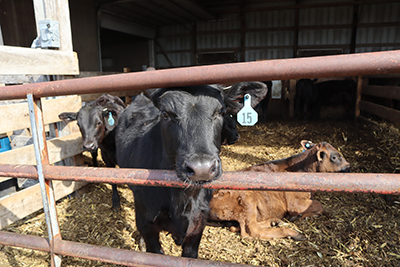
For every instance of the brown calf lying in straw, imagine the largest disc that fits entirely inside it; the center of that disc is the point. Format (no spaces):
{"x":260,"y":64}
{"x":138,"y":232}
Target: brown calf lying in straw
{"x":258,"y":211}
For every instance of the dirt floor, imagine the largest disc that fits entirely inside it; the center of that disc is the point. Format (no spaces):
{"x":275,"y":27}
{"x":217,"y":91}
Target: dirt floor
{"x":355,"y":229}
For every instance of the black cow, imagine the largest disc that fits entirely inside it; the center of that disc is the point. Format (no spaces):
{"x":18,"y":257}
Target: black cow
{"x":97,"y":122}
{"x":337,"y":93}
{"x":262,"y":107}
{"x":178,"y":129}
{"x":229,"y":134}
{"x":305,"y":100}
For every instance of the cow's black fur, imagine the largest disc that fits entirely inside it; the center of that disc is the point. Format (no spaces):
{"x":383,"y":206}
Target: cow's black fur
{"x":262,"y":107}
{"x":178,"y":129}
{"x":229,"y":132}
{"x":337,"y":93}
{"x":305,"y":100}
{"x":98,"y":130}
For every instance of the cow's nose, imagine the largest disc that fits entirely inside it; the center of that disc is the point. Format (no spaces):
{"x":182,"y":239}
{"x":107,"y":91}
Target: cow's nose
{"x":90,"y":146}
{"x":201,"y":171}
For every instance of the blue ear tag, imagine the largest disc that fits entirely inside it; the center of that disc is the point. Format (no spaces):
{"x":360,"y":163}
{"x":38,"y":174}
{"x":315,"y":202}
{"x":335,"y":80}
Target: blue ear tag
{"x":111,"y":120}
{"x":247,"y":116}
{"x":307,"y":145}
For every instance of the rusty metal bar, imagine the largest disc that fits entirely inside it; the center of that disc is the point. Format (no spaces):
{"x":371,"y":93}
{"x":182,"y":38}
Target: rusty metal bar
{"x":383,"y":183}
{"x":279,"y":69}
{"x":46,"y":186}
{"x":104,"y":254}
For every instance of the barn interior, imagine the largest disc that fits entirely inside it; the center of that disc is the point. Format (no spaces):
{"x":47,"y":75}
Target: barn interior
{"x":119,"y":36}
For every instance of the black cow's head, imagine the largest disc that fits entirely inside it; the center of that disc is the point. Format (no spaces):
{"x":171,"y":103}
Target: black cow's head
{"x":192,"y":122}
{"x":229,"y":130}
{"x":96,"y":119}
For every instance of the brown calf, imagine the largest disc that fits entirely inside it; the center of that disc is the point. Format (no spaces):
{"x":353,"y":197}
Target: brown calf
{"x":258,"y":211}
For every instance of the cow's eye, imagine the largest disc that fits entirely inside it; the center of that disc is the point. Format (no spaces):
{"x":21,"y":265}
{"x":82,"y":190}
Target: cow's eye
{"x":98,"y":123}
{"x":334,"y":157}
{"x":164,"y":114}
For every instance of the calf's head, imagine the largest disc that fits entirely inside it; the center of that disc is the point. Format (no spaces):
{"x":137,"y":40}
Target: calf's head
{"x":329,"y":159}
{"x":229,"y":133}
{"x":191,"y":126}
{"x":96,"y":119}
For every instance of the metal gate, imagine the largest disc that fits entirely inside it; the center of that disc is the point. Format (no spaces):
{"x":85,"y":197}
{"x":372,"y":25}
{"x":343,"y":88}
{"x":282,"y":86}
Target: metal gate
{"x":317,"y":67}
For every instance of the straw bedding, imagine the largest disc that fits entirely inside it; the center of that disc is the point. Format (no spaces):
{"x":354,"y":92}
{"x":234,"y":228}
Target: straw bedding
{"x":355,"y":229}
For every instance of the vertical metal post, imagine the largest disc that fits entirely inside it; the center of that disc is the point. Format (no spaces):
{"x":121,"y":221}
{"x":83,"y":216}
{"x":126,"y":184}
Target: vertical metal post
{"x":46,"y":187}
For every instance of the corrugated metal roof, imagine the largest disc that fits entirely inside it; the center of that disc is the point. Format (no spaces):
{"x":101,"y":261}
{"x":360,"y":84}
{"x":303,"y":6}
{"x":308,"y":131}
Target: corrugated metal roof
{"x":270,"y":34}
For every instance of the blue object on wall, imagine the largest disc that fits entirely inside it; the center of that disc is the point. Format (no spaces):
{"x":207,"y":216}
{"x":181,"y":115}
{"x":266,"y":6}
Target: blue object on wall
{"x":5,"y":144}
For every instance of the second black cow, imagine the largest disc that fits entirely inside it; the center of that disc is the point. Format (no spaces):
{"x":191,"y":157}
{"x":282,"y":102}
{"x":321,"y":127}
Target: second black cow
{"x":97,"y":121}
{"x":178,"y":129}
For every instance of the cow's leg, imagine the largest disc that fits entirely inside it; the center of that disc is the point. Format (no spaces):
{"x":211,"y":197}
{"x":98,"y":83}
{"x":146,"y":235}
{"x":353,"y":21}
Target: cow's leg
{"x":190,"y":247}
{"x":152,"y":240}
{"x":115,"y":195}
{"x":279,"y":232}
{"x":115,"y":198}
{"x":94,"y":157}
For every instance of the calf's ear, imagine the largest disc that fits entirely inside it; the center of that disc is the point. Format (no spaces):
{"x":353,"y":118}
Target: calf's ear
{"x":107,"y":100}
{"x":68,"y":116}
{"x":321,"y":155}
{"x":110,"y":118}
{"x":234,"y":96}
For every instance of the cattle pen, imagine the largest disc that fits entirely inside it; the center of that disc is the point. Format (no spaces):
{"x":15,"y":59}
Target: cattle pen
{"x":328,"y":66}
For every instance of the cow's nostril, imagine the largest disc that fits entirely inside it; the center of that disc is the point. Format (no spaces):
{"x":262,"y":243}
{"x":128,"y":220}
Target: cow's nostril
{"x":189,"y":171}
{"x":198,"y":170}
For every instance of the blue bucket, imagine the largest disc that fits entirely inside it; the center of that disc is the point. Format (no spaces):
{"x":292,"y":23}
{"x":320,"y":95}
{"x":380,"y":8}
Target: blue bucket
{"x":5,"y":144}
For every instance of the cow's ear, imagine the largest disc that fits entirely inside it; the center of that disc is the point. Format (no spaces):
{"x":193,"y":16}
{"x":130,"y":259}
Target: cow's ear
{"x":321,"y":155}
{"x":110,"y":118}
{"x":155,"y":94}
{"x":107,"y":100}
{"x":306,"y":144}
{"x":68,"y":116}
{"x":234,"y":96}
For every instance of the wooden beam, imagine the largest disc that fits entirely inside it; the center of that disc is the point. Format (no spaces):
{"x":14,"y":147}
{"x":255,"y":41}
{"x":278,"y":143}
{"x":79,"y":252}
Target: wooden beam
{"x":360,"y":83}
{"x":55,"y":10}
{"x":391,"y":92}
{"x":18,"y":114}
{"x":20,"y":60}
{"x":59,"y":149}
{"x":386,"y":113}
{"x":23,"y":203}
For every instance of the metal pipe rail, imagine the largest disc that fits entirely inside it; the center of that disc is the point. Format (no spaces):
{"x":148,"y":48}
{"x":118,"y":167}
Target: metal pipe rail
{"x":382,"y":183}
{"x":278,"y":69}
{"x":109,"y":255}
{"x":316,"y":67}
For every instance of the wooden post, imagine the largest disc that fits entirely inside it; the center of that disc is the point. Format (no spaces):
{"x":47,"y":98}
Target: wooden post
{"x":292,"y":90}
{"x":360,"y":82}
{"x":56,"y":10}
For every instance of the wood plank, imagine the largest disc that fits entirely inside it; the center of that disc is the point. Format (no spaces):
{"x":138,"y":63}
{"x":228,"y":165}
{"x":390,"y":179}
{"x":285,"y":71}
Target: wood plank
{"x":23,"y":203}
{"x":21,"y":60}
{"x":360,"y":83}
{"x":391,"y":92}
{"x":18,"y":114}
{"x":59,"y":149}
{"x":386,"y":113}
{"x":56,"y":10}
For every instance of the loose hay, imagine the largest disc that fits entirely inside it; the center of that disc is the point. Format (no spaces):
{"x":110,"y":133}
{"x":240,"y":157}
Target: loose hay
{"x":354,"y":230}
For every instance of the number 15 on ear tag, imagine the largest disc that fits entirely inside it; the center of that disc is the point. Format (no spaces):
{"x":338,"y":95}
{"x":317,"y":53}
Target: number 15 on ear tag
{"x":247,"y":116}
